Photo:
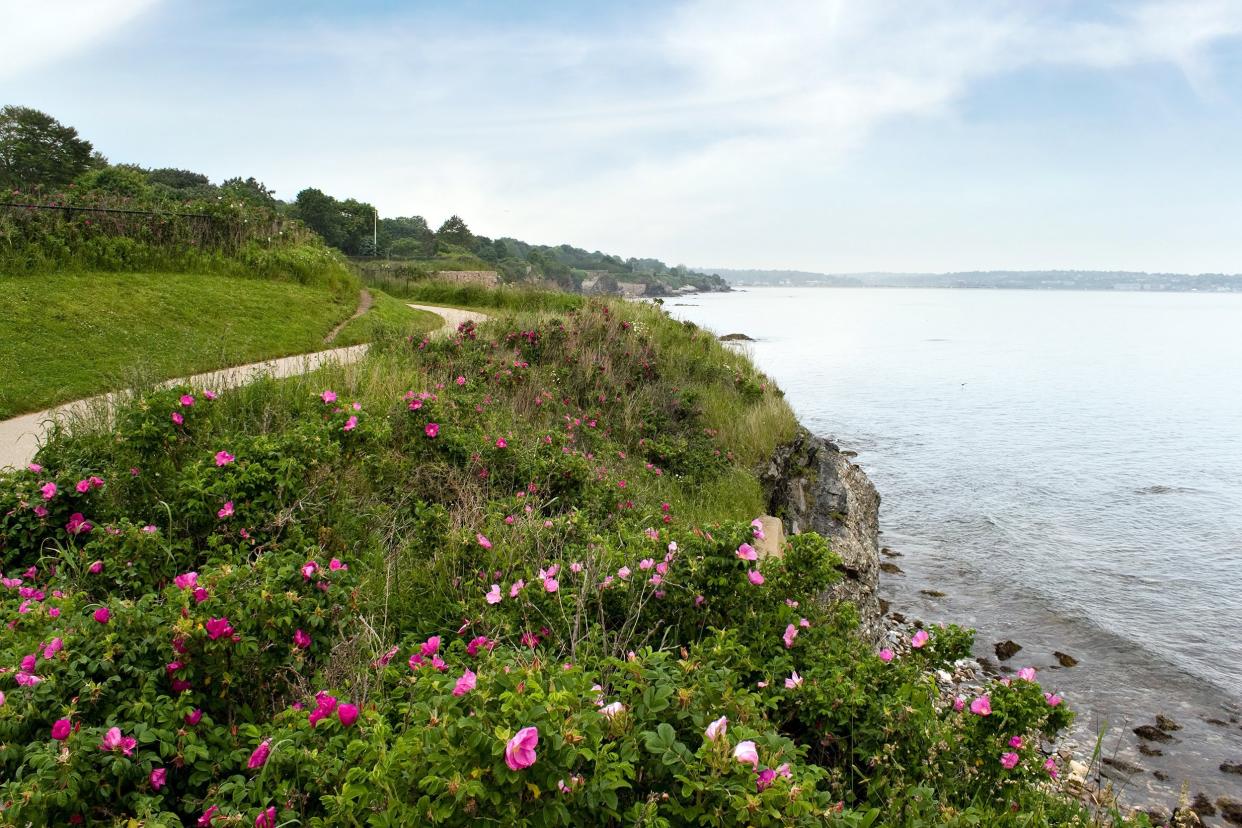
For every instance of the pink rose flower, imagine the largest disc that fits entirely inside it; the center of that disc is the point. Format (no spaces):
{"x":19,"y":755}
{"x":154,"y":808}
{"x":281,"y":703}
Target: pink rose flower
{"x":223,"y":458}
{"x":520,"y":750}
{"x":791,"y":632}
{"x":755,"y":576}
{"x":717,"y":729}
{"x":465,"y":684}
{"x":432,"y":430}
{"x":259,"y":758}
{"x":159,"y":776}
{"x":114,"y":741}
{"x":60,"y":729}
{"x":103,"y":615}
{"x":348,"y":714}
{"x":920,"y":638}
{"x":886,"y":655}
{"x":1009,"y":760}
{"x":747,"y":552}
{"x":981,"y":706}
{"x":746,"y":753}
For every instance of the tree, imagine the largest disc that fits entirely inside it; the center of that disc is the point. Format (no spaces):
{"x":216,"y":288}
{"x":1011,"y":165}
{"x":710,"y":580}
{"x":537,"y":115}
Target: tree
{"x":249,"y":190}
{"x":320,"y":213}
{"x":36,"y":150}
{"x":119,"y":180}
{"x":177,"y":179}
{"x":455,"y":231}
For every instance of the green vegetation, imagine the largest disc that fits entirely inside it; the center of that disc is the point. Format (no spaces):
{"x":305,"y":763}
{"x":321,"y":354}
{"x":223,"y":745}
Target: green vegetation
{"x":68,"y":336}
{"x":387,"y":318}
{"x":500,"y":577}
{"x":514,"y":298}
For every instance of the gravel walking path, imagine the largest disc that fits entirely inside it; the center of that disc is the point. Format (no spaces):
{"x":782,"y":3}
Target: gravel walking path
{"x":20,"y":436}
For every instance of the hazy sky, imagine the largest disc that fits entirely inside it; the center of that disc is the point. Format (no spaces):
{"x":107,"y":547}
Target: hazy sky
{"x":833,"y":136}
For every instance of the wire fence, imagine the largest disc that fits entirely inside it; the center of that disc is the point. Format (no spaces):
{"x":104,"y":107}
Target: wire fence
{"x":75,"y":209}
{"x":27,"y":223}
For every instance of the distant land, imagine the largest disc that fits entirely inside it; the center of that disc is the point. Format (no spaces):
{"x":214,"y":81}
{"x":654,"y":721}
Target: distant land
{"x":995,"y":279}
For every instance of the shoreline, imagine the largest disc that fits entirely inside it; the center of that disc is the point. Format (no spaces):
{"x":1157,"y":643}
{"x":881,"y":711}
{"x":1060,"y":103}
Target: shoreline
{"x":1138,"y":773}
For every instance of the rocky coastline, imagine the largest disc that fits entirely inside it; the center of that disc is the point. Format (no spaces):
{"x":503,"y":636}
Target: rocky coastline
{"x":811,"y":484}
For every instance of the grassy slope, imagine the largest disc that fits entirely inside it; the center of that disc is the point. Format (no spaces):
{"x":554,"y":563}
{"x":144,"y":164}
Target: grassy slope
{"x":388,"y":316}
{"x":67,"y":336}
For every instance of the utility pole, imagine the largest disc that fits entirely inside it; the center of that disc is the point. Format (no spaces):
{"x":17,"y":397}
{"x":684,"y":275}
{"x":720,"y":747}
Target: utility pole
{"x":375,"y":233}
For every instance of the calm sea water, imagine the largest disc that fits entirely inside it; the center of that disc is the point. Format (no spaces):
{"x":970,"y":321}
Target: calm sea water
{"x":1065,"y":466}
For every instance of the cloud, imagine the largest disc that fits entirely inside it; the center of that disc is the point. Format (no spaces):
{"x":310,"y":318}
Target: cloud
{"x":36,"y":34}
{"x":663,"y":131}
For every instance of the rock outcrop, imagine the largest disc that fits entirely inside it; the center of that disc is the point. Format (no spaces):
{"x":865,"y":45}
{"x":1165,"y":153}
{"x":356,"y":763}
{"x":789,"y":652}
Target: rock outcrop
{"x":813,"y":487}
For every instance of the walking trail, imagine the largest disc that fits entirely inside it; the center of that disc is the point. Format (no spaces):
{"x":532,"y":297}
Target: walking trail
{"x":20,"y":437}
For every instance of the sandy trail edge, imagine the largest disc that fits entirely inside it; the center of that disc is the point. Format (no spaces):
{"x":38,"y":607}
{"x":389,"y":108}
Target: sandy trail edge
{"x":21,"y":436}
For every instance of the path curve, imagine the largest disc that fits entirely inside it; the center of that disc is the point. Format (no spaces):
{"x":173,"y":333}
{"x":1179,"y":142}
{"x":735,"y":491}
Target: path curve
{"x":20,"y":436}
{"x":364,"y":305}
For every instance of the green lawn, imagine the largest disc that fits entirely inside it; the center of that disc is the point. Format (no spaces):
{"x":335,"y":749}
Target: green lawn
{"x":68,"y":336}
{"x":388,"y":316}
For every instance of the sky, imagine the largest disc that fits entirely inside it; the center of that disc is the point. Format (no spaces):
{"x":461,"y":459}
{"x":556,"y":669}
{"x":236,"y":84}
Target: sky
{"x":829,"y":135}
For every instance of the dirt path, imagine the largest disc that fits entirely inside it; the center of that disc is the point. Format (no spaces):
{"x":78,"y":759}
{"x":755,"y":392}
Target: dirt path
{"x":364,"y":305}
{"x":20,"y":436}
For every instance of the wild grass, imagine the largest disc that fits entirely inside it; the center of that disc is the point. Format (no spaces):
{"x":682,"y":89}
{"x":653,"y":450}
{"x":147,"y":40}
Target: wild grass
{"x":388,"y":317}
{"x":432,"y":292}
{"x":65,"y":336}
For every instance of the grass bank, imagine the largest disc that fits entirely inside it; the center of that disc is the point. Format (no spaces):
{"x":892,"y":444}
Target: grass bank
{"x":518,"y":299}
{"x":388,"y":317}
{"x":64,"y":336}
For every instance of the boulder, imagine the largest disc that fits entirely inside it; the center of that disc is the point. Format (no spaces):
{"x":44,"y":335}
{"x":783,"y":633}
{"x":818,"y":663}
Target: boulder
{"x":813,"y":487}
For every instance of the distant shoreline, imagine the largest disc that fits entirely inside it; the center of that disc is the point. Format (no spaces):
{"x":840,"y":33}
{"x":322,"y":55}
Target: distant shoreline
{"x":742,"y":287}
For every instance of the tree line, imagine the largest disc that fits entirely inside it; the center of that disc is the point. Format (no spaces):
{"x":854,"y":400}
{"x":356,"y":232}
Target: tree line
{"x":41,"y":158}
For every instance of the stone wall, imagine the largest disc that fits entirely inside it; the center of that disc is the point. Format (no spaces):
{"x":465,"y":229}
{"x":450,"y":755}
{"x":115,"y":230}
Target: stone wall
{"x":486,"y":278}
{"x":813,"y":487}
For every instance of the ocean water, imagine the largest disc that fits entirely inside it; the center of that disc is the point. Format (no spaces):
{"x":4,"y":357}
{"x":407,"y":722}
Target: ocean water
{"x":1065,"y":466}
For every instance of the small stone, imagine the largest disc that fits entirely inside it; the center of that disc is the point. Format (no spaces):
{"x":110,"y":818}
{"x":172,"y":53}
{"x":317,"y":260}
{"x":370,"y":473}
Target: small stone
{"x":891,"y":568}
{"x":900,"y":618}
{"x":884,"y":606}
{"x":1230,"y":809}
{"x":1217,"y":722}
{"x":1006,"y":650}
{"x":1158,"y":814}
{"x":1161,"y":775}
{"x":1236,"y":767}
{"x":1079,"y":770}
{"x":736,"y":337}
{"x":1121,"y":765}
{"x":1166,"y":724}
{"x":1152,"y":733}
{"x":1202,"y":805}
{"x":1065,"y":659}
{"x":1149,"y":751}
{"x":888,"y":553}
{"x":931,"y":593}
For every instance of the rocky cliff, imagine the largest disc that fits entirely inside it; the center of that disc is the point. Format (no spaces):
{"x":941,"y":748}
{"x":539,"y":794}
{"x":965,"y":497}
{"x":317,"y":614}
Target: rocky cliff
{"x":813,"y":487}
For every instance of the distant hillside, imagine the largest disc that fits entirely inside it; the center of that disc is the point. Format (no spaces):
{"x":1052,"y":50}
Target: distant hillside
{"x":995,"y":279}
